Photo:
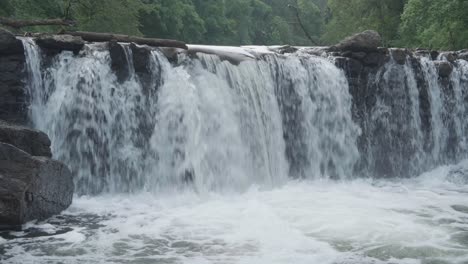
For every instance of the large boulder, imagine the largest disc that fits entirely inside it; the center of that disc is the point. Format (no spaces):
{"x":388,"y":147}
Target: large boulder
{"x":58,"y":43}
{"x":31,"y":141}
{"x":368,"y":40}
{"x":31,"y":188}
{"x":9,"y":44}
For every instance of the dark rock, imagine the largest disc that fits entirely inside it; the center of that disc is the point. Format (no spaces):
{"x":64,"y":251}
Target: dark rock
{"x":119,"y":61}
{"x":58,"y":43}
{"x":449,"y":56}
{"x":286,"y":49}
{"x":444,"y":68}
{"x":12,"y":93}
{"x":141,"y":58}
{"x":142,"y":65}
{"x":368,"y":40}
{"x":352,"y":67}
{"x":34,"y":142}
{"x":374,"y":59}
{"x":9,"y":44}
{"x":399,"y":55}
{"x":425,"y":52}
{"x":358,"y":55}
{"x":31,"y":187}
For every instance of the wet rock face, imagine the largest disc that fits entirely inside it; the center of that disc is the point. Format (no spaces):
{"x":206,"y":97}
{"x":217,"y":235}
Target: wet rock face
{"x":13,"y":106}
{"x":399,"y":55}
{"x":119,"y":63}
{"x":57,"y":43}
{"x":31,"y":187}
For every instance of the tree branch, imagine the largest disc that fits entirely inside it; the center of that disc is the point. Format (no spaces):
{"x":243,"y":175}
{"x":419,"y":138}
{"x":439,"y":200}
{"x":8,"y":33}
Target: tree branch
{"x":104,"y":37}
{"x":299,"y":20}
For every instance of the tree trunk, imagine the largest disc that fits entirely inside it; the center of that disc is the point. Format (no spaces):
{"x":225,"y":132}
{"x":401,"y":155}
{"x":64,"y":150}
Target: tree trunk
{"x":299,"y":20}
{"x":104,"y":37}
{"x":19,"y":23}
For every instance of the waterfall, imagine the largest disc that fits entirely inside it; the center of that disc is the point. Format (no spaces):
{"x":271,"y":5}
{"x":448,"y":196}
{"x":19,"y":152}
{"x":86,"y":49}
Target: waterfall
{"x":35,"y":85}
{"x":417,"y":121}
{"x":254,"y":158}
{"x":203,"y":123}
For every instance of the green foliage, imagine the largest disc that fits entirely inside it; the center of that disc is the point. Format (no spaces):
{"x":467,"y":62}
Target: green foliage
{"x":414,"y":23}
{"x":176,"y":19}
{"x":119,"y":16}
{"x":6,"y":8}
{"x":435,"y":24}
{"x":352,"y":16}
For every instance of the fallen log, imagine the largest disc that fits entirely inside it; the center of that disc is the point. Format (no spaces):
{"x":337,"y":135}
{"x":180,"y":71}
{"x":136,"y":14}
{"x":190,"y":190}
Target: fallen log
{"x":19,"y":23}
{"x":105,"y":37}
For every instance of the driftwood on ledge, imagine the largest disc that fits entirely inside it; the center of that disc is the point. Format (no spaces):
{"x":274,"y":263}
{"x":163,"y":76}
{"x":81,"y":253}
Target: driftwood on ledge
{"x":19,"y":23}
{"x":104,"y":37}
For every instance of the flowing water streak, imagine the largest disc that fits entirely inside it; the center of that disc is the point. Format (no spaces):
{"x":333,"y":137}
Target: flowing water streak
{"x":418,"y":119}
{"x":395,"y":122}
{"x":34,"y":78}
{"x":439,"y":132}
{"x":93,"y":121}
{"x":459,"y":82}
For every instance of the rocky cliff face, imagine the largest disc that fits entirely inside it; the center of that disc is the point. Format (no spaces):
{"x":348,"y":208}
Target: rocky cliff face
{"x":33,"y":186}
{"x":12,"y":93}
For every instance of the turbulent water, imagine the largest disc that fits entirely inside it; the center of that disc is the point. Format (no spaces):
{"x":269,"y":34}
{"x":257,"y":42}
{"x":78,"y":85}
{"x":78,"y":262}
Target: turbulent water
{"x":205,"y":161}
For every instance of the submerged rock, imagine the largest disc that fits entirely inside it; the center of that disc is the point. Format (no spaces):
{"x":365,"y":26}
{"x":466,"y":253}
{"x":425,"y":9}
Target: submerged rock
{"x":368,"y":40}
{"x":31,"y":188}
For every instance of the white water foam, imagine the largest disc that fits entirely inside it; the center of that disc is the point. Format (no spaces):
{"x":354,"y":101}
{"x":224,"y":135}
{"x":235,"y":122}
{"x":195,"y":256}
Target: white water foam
{"x":422,"y":220}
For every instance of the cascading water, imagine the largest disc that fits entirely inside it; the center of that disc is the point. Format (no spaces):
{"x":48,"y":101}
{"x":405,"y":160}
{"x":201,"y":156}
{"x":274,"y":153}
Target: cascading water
{"x":416,"y":122}
{"x":214,"y":124}
{"x":206,"y":161}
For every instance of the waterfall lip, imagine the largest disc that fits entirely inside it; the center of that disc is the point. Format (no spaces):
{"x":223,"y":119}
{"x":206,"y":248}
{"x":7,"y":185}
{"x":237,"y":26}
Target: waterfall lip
{"x":230,"y":53}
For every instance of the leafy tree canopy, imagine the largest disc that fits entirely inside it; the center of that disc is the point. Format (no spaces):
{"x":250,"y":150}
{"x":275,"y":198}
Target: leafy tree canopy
{"x":438,"y":24}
